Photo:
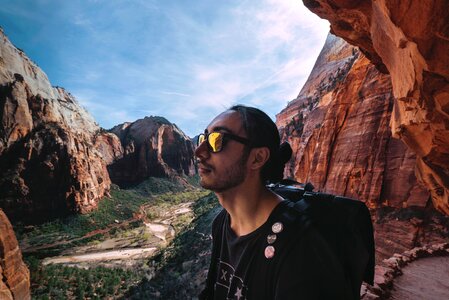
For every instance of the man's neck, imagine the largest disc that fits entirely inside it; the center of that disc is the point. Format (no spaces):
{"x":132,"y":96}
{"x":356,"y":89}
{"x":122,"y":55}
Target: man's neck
{"x":249,"y":206}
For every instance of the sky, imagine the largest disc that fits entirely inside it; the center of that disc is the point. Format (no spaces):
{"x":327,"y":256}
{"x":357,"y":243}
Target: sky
{"x":184,"y":60}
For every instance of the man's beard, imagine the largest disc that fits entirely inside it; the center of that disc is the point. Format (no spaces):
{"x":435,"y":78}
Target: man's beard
{"x":235,"y":175}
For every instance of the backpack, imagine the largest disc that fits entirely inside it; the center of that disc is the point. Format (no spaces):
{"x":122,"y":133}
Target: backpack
{"x":344,"y":223}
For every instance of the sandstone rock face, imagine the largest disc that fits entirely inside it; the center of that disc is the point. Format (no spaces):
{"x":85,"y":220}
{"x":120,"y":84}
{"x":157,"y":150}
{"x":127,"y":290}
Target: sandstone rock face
{"x":110,"y":147}
{"x":151,"y":147}
{"x":14,"y":274}
{"x":410,"y":41}
{"x":48,"y":163}
{"x":338,"y":127}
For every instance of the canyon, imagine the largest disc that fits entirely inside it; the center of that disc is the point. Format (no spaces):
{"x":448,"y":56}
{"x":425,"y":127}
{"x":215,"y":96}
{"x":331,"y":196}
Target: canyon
{"x":409,"y":40}
{"x":370,"y":123}
{"x":54,"y":157}
{"x":56,"y":161}
{"x":338,"y":128}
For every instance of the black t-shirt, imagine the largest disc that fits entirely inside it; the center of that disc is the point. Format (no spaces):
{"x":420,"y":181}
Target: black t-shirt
{"x":236,"y":255}
{"x":302,"y":266}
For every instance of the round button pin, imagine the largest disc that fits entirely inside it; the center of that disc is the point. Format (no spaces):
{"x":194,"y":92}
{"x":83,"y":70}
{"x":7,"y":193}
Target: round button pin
{"x":277,"y":227}
{"x":269,"y":252}
{"x":271,"y":238}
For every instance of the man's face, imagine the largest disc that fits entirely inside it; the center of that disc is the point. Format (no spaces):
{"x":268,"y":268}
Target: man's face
{"x":225,"y":169}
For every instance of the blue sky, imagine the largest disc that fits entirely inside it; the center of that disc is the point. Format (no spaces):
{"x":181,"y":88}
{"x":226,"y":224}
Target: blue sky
{"x":181,"y":59}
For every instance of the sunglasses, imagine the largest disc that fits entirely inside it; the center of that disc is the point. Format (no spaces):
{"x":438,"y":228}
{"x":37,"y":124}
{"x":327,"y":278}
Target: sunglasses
{"x":217,"y":140}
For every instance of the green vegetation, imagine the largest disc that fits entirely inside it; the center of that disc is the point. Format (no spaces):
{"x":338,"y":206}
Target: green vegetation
{"x":61,"y":282}
{"x":121,"y":206}
{"x":116,"y":217}
{"x":180,"y":268}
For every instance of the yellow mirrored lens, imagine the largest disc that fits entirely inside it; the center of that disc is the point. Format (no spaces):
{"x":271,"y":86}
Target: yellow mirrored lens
{"x":215,"y":141}
{"x":201,"y":138}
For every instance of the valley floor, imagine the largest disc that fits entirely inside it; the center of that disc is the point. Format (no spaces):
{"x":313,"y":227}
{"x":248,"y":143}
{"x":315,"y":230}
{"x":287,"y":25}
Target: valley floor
{"x":116,"y":250}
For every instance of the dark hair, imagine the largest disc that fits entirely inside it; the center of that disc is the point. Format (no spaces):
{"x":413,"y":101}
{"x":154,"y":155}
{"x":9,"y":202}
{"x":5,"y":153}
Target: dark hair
{"x":262,"y":132}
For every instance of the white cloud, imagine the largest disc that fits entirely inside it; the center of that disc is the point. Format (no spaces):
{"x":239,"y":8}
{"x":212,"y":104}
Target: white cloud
{"x":175,"y":94}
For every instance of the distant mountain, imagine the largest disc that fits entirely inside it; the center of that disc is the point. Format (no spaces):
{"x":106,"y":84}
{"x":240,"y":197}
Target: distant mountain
{"x":151,"y":147}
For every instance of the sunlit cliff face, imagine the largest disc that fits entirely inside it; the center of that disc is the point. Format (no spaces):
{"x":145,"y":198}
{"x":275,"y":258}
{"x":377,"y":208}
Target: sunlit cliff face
{"x":410,"y":41}
{"x":338,"y":127}
{"x":49,"y":165}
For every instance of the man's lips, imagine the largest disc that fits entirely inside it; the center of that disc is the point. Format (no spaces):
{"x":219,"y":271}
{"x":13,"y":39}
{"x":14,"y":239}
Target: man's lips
{"x":204,"y":168}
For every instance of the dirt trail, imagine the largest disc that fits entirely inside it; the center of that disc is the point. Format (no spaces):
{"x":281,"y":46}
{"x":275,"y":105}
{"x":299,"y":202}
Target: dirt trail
{"x":426,"y":278}
{"x":102,"y":256}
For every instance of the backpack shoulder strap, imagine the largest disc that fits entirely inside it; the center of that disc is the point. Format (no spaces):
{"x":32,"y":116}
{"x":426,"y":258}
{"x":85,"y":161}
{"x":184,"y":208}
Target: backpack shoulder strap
{"x":217,"y":229}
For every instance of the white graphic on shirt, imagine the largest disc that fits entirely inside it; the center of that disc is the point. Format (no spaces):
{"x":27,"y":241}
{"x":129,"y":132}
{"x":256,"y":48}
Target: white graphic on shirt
{"x":223,"y":275}
{"x":228,"y":284}
{"x":238,"y":294}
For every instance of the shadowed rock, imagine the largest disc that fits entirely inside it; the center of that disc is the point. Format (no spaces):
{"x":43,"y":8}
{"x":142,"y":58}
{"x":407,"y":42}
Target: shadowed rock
{"x":14,"y":274}
{"x":151,"y":147}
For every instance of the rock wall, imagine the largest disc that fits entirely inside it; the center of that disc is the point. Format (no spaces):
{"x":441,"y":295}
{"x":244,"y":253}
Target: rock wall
{"x":14,"y":274}
{"x":110,"y":147}
{"x":48,"y":163}
{"x":410,"y":41}
{"x":151,"y":147}
{"x":338,"y":127}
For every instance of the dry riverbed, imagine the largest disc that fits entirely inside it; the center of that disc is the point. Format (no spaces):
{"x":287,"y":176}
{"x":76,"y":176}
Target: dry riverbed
{"x":129,"y":246}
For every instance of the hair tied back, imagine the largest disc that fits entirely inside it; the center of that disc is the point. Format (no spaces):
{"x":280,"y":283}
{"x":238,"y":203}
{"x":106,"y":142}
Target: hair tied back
{"x":285,"y":153}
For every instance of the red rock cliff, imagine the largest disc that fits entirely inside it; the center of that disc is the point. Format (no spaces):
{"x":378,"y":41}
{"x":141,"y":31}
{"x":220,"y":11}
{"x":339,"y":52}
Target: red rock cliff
{"x":152,"y":147}
{"x":338,"y":127}
{"x":14,"y":274}
{"x":409,"y":40}
{"x":48,"y":164}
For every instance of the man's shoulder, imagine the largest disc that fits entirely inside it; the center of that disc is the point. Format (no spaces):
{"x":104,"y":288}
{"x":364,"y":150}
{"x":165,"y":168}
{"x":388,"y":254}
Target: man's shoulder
{"x":289,"y":214}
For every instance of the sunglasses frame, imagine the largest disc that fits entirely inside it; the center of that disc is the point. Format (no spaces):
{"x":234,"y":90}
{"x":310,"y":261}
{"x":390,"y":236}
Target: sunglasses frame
{"x":225,"y":137}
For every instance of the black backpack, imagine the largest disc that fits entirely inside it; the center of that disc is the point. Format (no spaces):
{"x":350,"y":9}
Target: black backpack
{"x":343,"y":222}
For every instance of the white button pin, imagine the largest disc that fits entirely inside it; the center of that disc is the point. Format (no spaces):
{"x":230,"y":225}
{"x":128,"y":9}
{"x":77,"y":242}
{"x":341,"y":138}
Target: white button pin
{"x":277,"y":227}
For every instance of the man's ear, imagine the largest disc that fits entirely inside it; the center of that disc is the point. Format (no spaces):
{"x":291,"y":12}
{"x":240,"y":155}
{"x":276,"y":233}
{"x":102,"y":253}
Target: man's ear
{"x":258,"y":157}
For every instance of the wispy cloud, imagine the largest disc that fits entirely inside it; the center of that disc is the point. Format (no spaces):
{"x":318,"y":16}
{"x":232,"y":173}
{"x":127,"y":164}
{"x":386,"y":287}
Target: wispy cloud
{"x":175,"y":94}
{"x":127,"y":59}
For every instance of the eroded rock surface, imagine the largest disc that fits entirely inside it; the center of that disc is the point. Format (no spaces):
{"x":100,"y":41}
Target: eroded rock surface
{"x":48,"y":163}
{"x":151,"y":147}
{"x":14,"y":274}
{"x":338,"y":127}
{"x":410,"y":41}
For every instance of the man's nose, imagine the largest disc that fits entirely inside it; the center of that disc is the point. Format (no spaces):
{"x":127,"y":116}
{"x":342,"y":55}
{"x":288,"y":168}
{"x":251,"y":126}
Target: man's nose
{"x":201,"y":151}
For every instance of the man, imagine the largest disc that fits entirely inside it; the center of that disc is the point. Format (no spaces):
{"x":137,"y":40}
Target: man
{"x":261,"y":248}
